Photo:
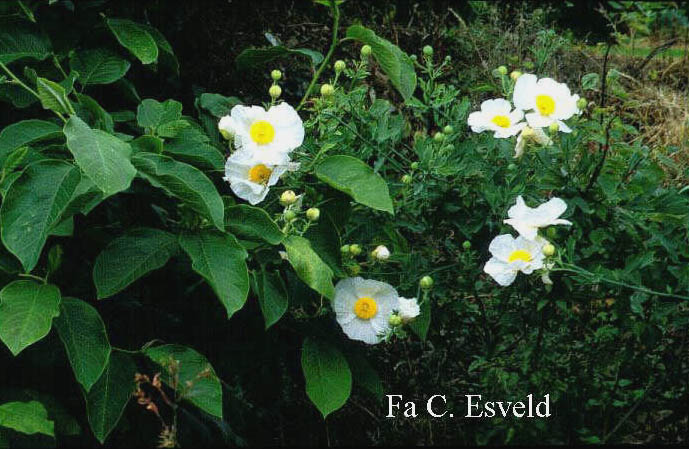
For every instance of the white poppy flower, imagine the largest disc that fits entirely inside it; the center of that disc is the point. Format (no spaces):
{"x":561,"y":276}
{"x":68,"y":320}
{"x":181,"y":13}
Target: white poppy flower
{"x":227,"y":127}
{"x":363,"y":307}
{"x":273,"y":133}
{"x":511,"y":256}
{"x":381,"y":253}
{"x":532,"y":135}
{"x":497,"y":116}
{"x":551,"y":102}
{"x":408,"y":309}
{"x":250,"y":176}
{"x":526,"y":220}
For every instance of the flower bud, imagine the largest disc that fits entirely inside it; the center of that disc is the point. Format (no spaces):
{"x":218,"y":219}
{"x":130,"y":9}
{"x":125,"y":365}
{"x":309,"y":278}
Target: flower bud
{"x":395,"y":320}
{"x":502,"y":70}
{"x":339,"y":66}
{"x":226,"y":127}
{"x":353,"y":269}
{"x":466,"y":245}
{"x":439,"y":136}
{"x":354,"y":249}
{"x":426,"y":283}
{"x":528,"y":65}
{"x":414,"y":165}
{"x":327,"y":90}
{"x":582,"y":103}
{"x":448,"y":58}
{"x":344,"y":249}
{"x":448,"y":129}
{"x":553,"y":128}
{"x":515,"y":74}
{"x":511,"y":167}
{"x":381,"y":253}
{"x":276,"y":75}
{"x":288,"y":197}
{"x":406,"y":179}
{"x":413,"y":57}
{"x":548,"y":249}
{"x":275,"y":91}
{"x":313,"y":214}
{"x":366,"y":51}
{"x":290,"y":215}
{"x":428,"y":50}
{"x":528,"y":132}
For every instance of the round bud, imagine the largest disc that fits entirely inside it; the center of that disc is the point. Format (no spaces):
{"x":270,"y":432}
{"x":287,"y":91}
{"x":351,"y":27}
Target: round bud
{"x":515,"y":74}
{"x":466,"y":245}
{"x":553,"y":128}
{"x":439,"y":136}
{"x":448,"y":58}
{"x":288,"y":197}
{"x":354,"y":249}
{"x":528,"y":65}
{"x":290,"y":215}
{"x":548,"y":249}
{"x":394,"y":320}
{"x":366,"y":51}
{"x":313,"y":214}
{"x":528,"y":132}
{"x":426,"y":283}
{"x":448,"y":129}
{"x":381,"y":253}
{"x":511,"y":167}
{"x":428,"y":50}
{"x":414,"y":165}
{"x":551,"y":232}
{"x":339,"y":66}
{"x":406,"y":179}
{"x":502,"y":70}
{"x":275,"y":91}
{"x":413,"y":57}
{"x":327,"y":90}
{"x":353,"y":269}
{"x":582,"y":103}
{"x":344,"y":249}
{"x":276,"y":75}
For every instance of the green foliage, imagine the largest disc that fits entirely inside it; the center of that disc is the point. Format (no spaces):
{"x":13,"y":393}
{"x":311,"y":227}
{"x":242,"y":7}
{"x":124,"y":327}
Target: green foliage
{"x":327,"y":374}
{"x":26,"y":417}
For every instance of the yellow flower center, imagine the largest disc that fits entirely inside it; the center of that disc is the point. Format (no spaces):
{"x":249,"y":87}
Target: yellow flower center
{"x":520,"y":254}
{"x":545,"y":105}
{"x":365,"y":308}
{"x":262,"y":132}
{"x":502,"y":121}
{"x":260,"y":174}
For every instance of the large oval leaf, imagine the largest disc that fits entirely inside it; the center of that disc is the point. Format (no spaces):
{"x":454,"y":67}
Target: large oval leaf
{"x":220,"y":259}
{"x":98,"y":66}
{"x":327,"y":374}
{"x":183,"y":181}
{"x":131,"y":256}
{"x":26,"y":132}
{"x":353,"y":177}
{"x":27,"y":310}
{"x":309,"y":266}
{"x":272,"y":296}
{"x":21,"y":39}
{"x":82,"y":331}
{"x":251,"y":58}
{"x":252,"y":223}
{"x":103,"y":157}
{"x":135,"y":38}
{"x":34,"y":203}
{"x":26,"y":417}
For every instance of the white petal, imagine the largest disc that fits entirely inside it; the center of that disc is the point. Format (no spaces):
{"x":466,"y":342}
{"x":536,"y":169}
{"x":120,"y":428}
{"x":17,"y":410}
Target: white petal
{"x":536,"y":120}
{"x":524,"y":92}
{"x":500,"y":272}
{"x":502,"y":246}
{"x":497,"y":106}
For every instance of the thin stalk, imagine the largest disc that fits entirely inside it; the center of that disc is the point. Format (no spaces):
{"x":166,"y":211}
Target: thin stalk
{"x":23,"y":85}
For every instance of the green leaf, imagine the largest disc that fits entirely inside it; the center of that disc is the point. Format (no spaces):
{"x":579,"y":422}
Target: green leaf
{"x":255,"y":57}
{"x":327,"y":374}
{"x":353,"y":177}
{"x":198,"y":382}
{"x":272,"y":296}
{"x":199,"y":154}
{"x":394,"y":62}
{"x":103,"y":157}
{"x":98,"y":66}
{"x":309,"y":266}
{"x":167,"y":55}
{"x":152,"y":113}
{"x":24,"y":133}
{"x":183,"y":181}
{"x":422,"y":323}
{"x":26,"y":417}
{"x":135,"y":38}
{"x":53,"y":96}
{"x":34,"y":203}
{"x":21,"y":39}
{"x":216,"y":104}
{"x":82,"y":331}
{"x":27,"y":310}
{"x":252,"y":223}
{"x":94,"y":114}
{"x":220,"y":259}
{"x":131,"y":256}
{"x":365,"y":375}
{"x":108,"y":397}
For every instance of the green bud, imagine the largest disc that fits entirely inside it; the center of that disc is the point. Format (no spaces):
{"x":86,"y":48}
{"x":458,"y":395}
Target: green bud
{"x":275,"y":91}
{"x":528,"y":65}
{"x":288,"y":197}
{"x":426,"y":283}
{"x":354,"y":249}
{"x":448,"y":129}
{"x":582,"y":103}
{"x":551,"y":233}
{"x":548,"y":249}
{"x":439,"y":136}
{"x":413,"y":57}
{"x":366,"y":51}
{"x":466,"y":245}
{"x":327,"y":90}
{"x":511,"y":167}
{"x":406,"y":179}
{"x":515,"y":74}
{"x":353,"y":269}
{"x":502,"y":70}
{"x":553,"y":128}
{"x":448,"y":58}
{"x":313,"y":214}
{"x":276,"y":75}
{"x":339,"y":66}
{"x":344,"y":249}
{"x":428,"y":50}
{"x":395,"y":320}
{"x":414,"y":165}
{"x":290,"y":215}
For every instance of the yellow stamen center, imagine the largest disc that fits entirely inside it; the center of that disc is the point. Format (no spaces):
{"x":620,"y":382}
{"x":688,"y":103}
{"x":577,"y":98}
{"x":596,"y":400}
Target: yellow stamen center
{"x":365,"y":308}
{"x":262,"y":132}
{"x":260,"y":174}
{"x":520,"y":254}
{"x":545,"y":105}
{"x":502,"y":121}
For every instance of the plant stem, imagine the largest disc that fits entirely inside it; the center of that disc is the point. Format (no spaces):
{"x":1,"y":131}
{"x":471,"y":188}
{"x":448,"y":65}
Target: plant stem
{"x":331,"y":50}
{"x":22,"y":84}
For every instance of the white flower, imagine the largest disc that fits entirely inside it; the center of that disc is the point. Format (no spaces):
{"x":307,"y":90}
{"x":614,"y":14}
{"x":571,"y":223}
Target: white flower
{"x":532,"y":135}
{"x":381,"y":253}
{"x":363,"y":307}
{"x":511,"y":256}
{"x":273,"y":133}
{"x":408,"y":309}
{"x":227,"y":127}
{"x":497,"y":115}
{"x":250,"y":176}
{"x":550,"y":101}
{"x":526,"y":220}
